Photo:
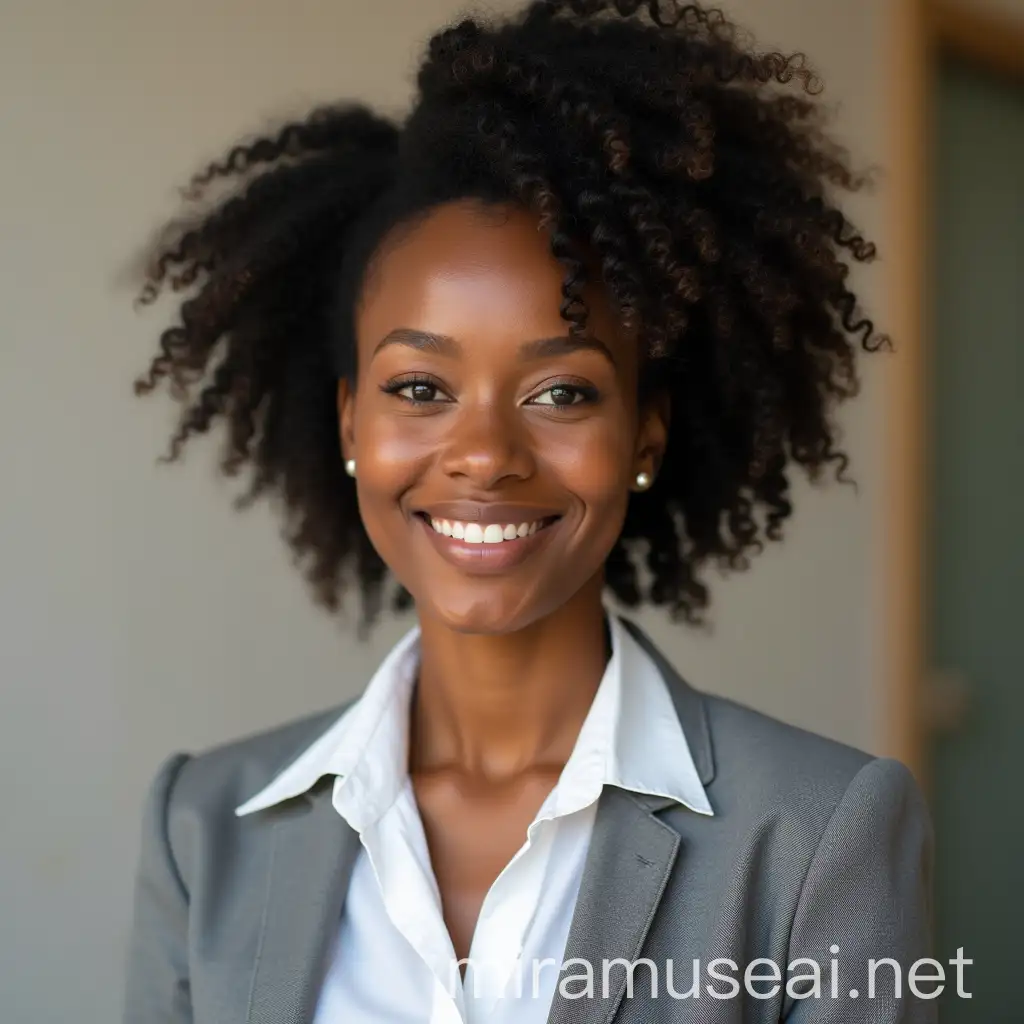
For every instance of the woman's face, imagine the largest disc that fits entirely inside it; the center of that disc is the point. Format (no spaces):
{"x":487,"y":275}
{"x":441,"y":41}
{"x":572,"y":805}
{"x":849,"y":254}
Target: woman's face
{"x":474,"y":417}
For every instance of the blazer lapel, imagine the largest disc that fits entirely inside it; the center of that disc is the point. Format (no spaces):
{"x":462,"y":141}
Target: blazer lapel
{"x":314,"y":849}
{"x":628,"y":865}
{"x":631,"y":857}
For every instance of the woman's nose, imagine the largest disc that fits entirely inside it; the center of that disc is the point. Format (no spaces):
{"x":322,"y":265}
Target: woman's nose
{"x":485,"y":444}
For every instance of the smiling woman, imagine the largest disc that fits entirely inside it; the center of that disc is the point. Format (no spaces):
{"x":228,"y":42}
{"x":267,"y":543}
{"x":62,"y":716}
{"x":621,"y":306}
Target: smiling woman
{"x":580,"y":313}
{"x":468,"y":387}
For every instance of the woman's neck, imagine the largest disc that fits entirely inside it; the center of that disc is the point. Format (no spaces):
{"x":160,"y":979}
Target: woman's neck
{"x":493,"y":706}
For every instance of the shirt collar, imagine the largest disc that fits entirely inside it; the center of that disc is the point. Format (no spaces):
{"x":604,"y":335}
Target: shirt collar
{"x":637,"y":744}
{"x":366,"y":748}
{"x":632,"y":737}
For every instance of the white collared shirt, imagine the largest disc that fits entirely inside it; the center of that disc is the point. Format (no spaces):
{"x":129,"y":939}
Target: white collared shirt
{"x":392,"y":958}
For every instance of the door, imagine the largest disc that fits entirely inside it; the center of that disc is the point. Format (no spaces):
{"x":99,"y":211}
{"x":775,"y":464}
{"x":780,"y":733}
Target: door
{"x":975,"y":598}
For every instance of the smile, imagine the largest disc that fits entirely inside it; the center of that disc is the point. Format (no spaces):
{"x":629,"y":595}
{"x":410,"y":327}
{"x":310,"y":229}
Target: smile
{"x":487,"y":548}
{"x":488,"y":533}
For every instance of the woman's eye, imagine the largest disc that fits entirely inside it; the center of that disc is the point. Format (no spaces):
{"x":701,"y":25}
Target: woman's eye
{"x":560,"y":395}
{"x":418,"y":391}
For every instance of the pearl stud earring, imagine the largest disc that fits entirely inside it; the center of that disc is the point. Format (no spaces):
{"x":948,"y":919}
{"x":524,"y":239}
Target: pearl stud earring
{"x":643,"y":481}
{"x":350,"y":467}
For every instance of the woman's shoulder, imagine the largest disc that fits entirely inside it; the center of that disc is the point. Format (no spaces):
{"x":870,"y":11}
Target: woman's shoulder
{"x":214,"y":781}
{"x":766,"y":769}
{"x":754,"y":761}
{"x":765,"y":744}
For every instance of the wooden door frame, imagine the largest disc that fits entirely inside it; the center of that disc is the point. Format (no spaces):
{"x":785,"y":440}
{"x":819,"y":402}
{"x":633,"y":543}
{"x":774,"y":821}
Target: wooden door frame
{"x":918,"y":32}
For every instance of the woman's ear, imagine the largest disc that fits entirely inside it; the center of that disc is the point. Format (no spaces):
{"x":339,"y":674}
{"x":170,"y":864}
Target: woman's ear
{"x":346,"y":418}
{"x":652,"y":437}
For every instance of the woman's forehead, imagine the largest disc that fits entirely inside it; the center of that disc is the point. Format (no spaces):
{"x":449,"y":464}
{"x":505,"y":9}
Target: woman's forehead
{"x":465,"y":266}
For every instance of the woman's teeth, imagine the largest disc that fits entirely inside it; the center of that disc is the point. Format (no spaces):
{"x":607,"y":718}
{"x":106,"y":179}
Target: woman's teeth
{"x":492,"y":533}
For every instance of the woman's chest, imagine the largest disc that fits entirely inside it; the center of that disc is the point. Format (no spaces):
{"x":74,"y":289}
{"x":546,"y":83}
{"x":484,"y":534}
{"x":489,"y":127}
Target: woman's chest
{"x":473,"y":834}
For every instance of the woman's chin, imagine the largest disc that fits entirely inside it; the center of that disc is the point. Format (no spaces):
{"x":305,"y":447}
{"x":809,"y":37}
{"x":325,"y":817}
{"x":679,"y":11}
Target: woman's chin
{"x":482,"y":623}
{"x":477,"y":613}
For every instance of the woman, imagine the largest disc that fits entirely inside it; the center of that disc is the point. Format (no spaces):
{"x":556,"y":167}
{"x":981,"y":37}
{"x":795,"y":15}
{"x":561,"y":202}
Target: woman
{"x":562,"y":331}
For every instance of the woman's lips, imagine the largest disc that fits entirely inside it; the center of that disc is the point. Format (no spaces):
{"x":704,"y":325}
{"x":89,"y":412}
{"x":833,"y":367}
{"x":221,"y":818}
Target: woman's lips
{"x":485,"y":558}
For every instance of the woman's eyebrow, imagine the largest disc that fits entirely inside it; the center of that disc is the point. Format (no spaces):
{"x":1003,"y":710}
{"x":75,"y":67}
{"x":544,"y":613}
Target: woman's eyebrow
{"x":445,"y":345}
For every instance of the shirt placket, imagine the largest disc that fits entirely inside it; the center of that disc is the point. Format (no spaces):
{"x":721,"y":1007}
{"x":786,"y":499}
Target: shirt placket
{"x":401,"y":866}
{"x":506,"y":914}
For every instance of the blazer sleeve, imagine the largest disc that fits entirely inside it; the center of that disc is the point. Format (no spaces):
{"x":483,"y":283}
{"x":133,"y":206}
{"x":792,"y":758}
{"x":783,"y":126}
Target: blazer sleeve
{"x":867,"y":895}
{"x":157,"y":984}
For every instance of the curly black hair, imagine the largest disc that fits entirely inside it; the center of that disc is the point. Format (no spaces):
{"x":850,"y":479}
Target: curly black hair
{"x":649,"y":135}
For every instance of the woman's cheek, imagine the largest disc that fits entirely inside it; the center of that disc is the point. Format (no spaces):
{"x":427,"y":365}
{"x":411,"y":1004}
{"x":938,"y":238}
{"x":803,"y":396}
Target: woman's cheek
{"x":394,"y":452}
{"x":592,"y":462}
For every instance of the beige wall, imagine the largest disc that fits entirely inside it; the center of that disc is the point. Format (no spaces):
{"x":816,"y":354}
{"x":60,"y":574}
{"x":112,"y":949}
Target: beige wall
{"x":139,"y":614}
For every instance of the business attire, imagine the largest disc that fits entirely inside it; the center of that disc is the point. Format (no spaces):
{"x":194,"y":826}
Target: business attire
{"x":286,"y":879}
{"x":630,"y":739}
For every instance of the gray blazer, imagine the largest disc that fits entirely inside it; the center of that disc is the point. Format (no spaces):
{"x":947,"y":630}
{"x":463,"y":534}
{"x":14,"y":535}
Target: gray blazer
{"x":813,"y":844}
